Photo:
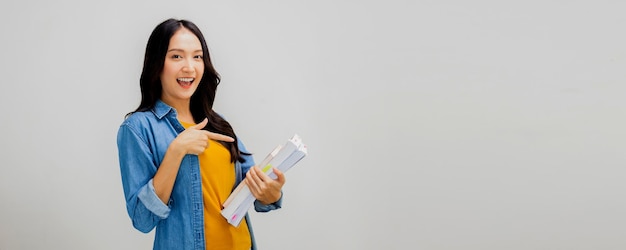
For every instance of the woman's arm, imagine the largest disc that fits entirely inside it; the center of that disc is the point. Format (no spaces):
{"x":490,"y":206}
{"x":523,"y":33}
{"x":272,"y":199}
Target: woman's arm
{"x":147,"y":188}
{"x":137,"y":169}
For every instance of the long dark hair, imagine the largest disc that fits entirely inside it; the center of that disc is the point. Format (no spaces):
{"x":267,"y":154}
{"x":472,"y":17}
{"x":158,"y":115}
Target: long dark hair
{"x":201,"y":104}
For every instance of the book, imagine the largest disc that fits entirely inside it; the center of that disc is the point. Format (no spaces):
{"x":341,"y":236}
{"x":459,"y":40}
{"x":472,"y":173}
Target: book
{"x":283,"y":157}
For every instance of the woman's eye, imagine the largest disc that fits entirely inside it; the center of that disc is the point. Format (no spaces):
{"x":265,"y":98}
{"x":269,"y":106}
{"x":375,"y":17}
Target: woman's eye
{"x":199,"y":56}
{"x":176,"y":56}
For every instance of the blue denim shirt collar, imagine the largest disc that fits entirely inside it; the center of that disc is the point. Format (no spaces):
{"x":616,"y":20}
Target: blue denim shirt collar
{"x":161,"y":109}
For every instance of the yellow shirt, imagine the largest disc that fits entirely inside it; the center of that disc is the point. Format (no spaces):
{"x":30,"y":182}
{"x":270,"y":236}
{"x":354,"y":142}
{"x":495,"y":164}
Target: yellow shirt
{"x":218,"y":179}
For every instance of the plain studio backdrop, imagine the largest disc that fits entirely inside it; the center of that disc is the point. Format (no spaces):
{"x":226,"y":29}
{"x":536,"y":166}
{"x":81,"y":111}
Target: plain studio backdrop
{"x":430,"y":124}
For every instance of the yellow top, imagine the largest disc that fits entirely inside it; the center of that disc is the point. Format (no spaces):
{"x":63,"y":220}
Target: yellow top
{"x":218,"y":179}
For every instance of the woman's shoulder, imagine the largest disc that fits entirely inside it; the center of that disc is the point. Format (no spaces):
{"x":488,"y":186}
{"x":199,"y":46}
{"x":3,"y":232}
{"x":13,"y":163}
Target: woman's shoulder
{"x":139,"y":119}
{"x":140,"y":123}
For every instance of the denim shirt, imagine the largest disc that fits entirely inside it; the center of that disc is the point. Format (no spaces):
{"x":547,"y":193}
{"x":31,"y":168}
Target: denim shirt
{"x":142,"y":141}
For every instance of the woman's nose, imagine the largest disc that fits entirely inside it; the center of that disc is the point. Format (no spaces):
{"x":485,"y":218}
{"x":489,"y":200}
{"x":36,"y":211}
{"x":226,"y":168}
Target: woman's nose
{"x":189,"y":66}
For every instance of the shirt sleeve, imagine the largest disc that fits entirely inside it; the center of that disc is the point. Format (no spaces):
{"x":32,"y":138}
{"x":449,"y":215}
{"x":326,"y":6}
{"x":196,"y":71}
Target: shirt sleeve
{"x":260,"y":207}
{"x":137,"y":169}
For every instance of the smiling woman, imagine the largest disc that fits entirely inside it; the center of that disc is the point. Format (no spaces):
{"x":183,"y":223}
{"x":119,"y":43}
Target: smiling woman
{"x":179,"y":159}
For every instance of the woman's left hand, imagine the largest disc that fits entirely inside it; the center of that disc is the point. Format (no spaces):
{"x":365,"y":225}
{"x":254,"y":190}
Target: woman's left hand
{"x":264,"y":188}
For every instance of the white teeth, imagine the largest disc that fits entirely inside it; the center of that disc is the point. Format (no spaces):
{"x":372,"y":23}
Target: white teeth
{"x":185,"y":79}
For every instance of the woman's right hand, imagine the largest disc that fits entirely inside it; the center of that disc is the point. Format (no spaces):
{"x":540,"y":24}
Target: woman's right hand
{"x":194,"y":139}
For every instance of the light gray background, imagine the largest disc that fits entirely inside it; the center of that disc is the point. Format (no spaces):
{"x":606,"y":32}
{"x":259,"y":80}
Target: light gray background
{"x":430,"y":124}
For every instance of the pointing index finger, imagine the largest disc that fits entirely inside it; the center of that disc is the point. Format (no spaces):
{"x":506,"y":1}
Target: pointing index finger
{"x":219,"y":137}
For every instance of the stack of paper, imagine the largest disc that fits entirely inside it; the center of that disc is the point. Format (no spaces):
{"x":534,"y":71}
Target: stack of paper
{"x":283,"y":157}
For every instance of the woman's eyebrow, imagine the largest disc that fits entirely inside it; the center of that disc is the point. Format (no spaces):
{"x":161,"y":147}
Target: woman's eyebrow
{"x":181,"y":50}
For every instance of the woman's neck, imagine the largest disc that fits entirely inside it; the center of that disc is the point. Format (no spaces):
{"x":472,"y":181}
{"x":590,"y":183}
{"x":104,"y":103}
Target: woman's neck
{"x":185,"y":117}
{"x":182,"y":110}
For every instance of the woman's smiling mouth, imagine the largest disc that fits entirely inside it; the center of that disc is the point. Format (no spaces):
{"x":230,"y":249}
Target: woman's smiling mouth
{"x":185,"y":82}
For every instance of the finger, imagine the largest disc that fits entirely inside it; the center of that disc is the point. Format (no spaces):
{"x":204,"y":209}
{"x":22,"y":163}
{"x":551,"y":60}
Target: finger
{"x":254,"y":188}
{"x":200,"y":146}
{"x":262,"y":175}
{"x":280,"y":177}
{"x":256,"y":174}
{"x":219,"y":137}
{"x":200,"y":125}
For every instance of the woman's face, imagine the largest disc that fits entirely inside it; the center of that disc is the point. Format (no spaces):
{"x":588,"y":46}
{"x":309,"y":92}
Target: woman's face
{"x":183,"y":67}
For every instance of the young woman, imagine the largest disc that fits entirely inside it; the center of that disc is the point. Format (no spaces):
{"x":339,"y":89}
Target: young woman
{"x":179,"y":159}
